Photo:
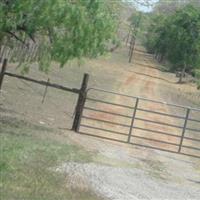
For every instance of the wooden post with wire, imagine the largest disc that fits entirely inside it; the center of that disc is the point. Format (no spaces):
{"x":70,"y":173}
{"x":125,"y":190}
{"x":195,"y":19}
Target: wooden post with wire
{"x":3,"y":69}
{"x":80,"y":103}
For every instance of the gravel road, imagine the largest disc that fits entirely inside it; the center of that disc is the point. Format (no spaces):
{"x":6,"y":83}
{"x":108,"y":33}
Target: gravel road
{"x":123,"y":172}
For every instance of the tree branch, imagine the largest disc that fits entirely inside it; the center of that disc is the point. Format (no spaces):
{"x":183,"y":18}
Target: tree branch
{"x":16,"y":37}
{"x":24,"y":29}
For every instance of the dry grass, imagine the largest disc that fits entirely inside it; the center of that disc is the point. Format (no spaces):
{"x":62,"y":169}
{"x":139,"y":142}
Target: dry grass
{"x":31,"y":133}
{"x":28,"y":154}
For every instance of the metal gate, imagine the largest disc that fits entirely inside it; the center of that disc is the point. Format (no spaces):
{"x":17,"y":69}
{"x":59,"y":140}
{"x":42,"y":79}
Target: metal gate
{"x":142,"y":122}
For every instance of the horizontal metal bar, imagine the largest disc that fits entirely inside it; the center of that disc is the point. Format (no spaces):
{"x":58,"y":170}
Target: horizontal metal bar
{"x":152,"y":147}
{"x":194,"y":120}
{"x":102,"y":137}
{"x":154,"y":131}
{"x":142,"y":98}
{"x":140,"y":145}
{"x":195,"y":109}
{"x":165,"y":103}
{"x":107,"y":102}
{"x":165,"y":150}
{"x":191,"y":155}
{"x":102,"y":129}
{"x":45,"y":83}
{"x":189,"y":147}
{"x":192,"y":129}
{"x":111,"y":92}
{"x":109,"y":122}
{"x":193,"y":139}
{"x":103,"y":111}
{"x":154,"y":140}
{"x":160,"y":113}
{"x":160,"y":123}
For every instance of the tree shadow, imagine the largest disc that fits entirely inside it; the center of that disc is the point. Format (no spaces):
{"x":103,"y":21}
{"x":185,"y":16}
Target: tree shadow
{"x":155,"y":77}
{"x":152,"y":67}
{"x":143,"y":53}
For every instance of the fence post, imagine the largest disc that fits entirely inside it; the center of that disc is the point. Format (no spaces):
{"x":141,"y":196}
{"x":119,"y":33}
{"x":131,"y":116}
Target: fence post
{"x":45,"y":92}
{"x":184,"y":129}
{"x":80,"y":103}
{"x":132,"y":49}
{"x":3,"y":69}
{"x":133,"y":119}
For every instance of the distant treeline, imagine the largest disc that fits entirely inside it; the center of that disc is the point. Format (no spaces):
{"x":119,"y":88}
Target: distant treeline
{"x":175,"y":37}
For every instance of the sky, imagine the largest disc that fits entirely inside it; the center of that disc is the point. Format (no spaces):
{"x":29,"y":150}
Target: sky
{"x":144,"y":8}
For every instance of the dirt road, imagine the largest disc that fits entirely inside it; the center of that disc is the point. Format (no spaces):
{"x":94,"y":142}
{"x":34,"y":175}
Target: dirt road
{"x":127,"y":172}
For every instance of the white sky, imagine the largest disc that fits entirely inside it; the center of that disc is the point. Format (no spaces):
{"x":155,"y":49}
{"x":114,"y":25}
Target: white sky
{"x":143,"y":8}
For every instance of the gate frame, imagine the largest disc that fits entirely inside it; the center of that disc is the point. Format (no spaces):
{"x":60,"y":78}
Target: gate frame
{"x":186,"y":118}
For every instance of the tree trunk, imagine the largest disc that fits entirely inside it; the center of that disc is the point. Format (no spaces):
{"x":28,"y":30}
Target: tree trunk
{"x":130,"y":46}
{"x":158,"y":57}
{"x":155,"y":54}
{"x":128,"y":36}
{"x":3,"y":48}
{"x":161,"y":58}
{"x":131,"y":50}
{"x":182,"y":74}
{"x":0,"y":57}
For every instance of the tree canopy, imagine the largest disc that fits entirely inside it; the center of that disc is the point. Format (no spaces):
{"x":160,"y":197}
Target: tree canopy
{"x":176,"y":37}
{"x":62,"y":29}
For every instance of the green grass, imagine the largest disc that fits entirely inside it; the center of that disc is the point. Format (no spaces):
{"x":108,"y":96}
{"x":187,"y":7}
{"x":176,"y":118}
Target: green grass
{"x":27,"y":155}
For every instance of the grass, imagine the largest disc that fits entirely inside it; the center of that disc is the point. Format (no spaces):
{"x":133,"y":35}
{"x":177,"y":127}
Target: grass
{"x":28,"y":153}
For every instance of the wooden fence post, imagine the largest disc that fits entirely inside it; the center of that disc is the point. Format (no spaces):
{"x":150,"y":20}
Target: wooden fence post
{"x":80,"y":103}
{"x":132,"y":49}
{"x":3,"y":69}
{"x":45,"y":92}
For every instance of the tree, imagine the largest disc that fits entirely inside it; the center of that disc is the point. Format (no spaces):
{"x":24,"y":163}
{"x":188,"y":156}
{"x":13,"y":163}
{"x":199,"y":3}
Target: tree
{"x":185,"y":39}
{"x":63,"y":30}
{"x":177,"y":37}
{"x":170,"y":6}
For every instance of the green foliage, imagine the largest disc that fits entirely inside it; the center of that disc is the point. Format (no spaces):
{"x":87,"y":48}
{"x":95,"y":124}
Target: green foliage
{"x":177,"y":37}
{"x":63,"y":29}
{"x":135,"y":22}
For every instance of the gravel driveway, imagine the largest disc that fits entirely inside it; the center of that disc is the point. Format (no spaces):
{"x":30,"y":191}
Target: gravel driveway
{"x":126,"y":172}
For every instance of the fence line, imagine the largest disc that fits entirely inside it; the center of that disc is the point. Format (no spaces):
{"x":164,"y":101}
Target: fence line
{"x":44,"y":83}
{"x":81,"y":92}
